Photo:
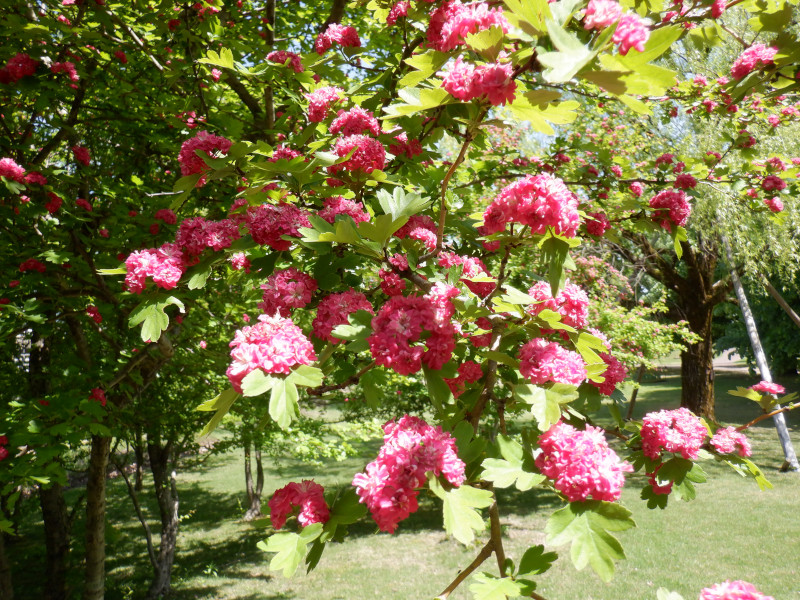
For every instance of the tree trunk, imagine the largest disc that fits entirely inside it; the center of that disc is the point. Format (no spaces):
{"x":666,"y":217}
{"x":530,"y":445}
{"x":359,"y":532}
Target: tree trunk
{"x":635,"y":393}
{"x":138,"y":450}
{"x":697,"y":366}
{"x":56,"y":539}
{"x":6,"y":589}
{"x":167,"y":497}
{"x":253,"y":492}
{"x":96,"y":519}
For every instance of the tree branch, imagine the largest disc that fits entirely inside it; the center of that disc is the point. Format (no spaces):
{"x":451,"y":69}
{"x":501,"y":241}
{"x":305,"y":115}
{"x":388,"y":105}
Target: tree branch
{"x":485,"y":553}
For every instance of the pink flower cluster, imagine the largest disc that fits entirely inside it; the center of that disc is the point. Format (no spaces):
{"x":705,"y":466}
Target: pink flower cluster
{"x":773,"y":182}
{"x":98,"y":395}
{"x":597,"y":223}
{"x":581,"y":464}
{"x":774,"y":204}
{"x":196,"y":234}
{"x":492,"y":82}
{"x":601,"y":13}
{"x":421,"y":228}
{"x":672,"y":208}
{"x":320,"y":101}
{"x":757,"y":54}
{"x":286,"y":289}
{"x":403,"y":147}
{"x":539,"y":201}
{"x":451,"y":23}
{"x":572,"y":303}
{"x":66,"y":67}
{"x":614,"y":374}
{"x":11,"y":170}
{"x":355,"y":121}
{"x":4,"y":453}
{"x":166,"y":215}
{"x":411,"y":448}
{"x":337,"y":205}
{"x":631,"y":31}
{"x":468,"y":372}
{"x":679,"y":431}
{"x":542,"y":362}
{"x":274,"y":345}
{"x":767,"y":387}
{"x":205,"y":142}
{"x":55,"y":202}
{"x":733,"y":590}
{"x":333,"y":311}
{"x":368,"y":155}
{"x":31,"y":264}
{"x":283,"y":57}
{"x":268,"y":224}
{"x":471,"y":267}
{"x":727,"y":440}
{"x":164,"y":265}
{"x":399,"y":9}
{"x":345,"y":36}
{"x":401,"y":322}
{"x":307,"y":495}
{"x":18,"y":66}
{"x":94,"y":313}
{"x":81,"y":154}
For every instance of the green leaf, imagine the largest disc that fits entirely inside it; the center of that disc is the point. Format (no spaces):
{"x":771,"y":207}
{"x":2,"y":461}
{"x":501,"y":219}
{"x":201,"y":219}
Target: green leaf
{"x":283,"y":406}
{"x":571,"y":57}
{"x":461,"y":520}
{"x":291,"y":548}
{"x":400,"y":203}
{"x":528,"y":15}
{"x":381,"y":228}
{"x":306,"y":376}
{"x":678,"y":236}
{"x":437,"y":388}
{"x":117,"y":271}
{"x":257,"y":382}
{"x":535,"y":561}
{"x":555,"y":252}
{"x":505,"y":473}
{"x":587,"y":526}
{"x":545,"y":403}
{"x":222,"y":404}
{"x":541,"y":115}
{"x":359,"y":328}
{"x":223,"y":59}
{"x":426,"y":64}
{"x":487,"y":43}
{"x":470,"y":446}
{"x":665,"y":594}
{"x":489,"y":587}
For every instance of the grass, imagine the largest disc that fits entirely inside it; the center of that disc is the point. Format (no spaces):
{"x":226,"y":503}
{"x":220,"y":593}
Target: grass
{"x":731,"y":531}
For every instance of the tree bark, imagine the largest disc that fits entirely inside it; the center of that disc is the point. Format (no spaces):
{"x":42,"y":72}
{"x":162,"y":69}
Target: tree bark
{"x":138,"y":450}
{"x":697,"y":365}
{"x":95,"y":519}
{"x":6,"y":587}
{"x":253,"y":492}
{"x":56,"y":539}
{"x":167,"y":497}
{"x":790,"y":458}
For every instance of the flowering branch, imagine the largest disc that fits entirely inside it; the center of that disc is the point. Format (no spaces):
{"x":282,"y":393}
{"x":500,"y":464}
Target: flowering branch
{"x":318,"y":391}
{"x":777,"y":411}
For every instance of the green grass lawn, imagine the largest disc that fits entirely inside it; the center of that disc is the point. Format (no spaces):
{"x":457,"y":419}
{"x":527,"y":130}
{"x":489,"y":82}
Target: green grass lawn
{"x":731,"y":531}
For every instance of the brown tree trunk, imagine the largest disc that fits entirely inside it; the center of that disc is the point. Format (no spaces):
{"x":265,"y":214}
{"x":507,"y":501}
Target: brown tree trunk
{"x":697,"y":366}
{"x":6,"y":589}
{"x":167,"y":497}
{"x":95,"y":519}
{"x":56,"y":540}
{"x":138,"y":450}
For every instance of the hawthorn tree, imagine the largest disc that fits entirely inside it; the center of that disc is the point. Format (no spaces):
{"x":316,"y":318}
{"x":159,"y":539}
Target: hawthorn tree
{"x":320,"y":178}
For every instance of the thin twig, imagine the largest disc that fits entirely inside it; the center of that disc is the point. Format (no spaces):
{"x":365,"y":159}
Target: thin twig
{"x":485,"y":553}
{"x":777,"y":411}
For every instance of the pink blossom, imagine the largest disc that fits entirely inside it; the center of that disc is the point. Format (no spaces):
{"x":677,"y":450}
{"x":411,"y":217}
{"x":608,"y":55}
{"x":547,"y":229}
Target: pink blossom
{"x":451,"y":23}
{"x":31,"y":264}
{"x":11,"y":170}
{"x":121,"y":56}
{"x":55,"y":202}
{"x":240,"y":262}
{"x":684,"y":181}
{"x":207,"y":143}
{"x":631,"y":32}
{"x":34,"y":177}
{"x":767,"y":387}
{"x":404,"y":147}
{"x":774,"y":204}
{"x":164,"y":265}
{"x":733,"y":590}
{"x":18,"y":66}
{"x":345,"y":36}
{"x":718,"y":7}
{"x":333,"y":311}
{"x":307,"y":495}
{"x":539,"y":201}
{"x":98,"y":395}
{"x":460,"y":81}
{"x":601,"y":13}
{"x":355,"y":121}
{"x":196,"y":234}
{"x":678,"y":431}
{"x":471,"y":267}
{"x":286,"y":289}
{"x":66,"y":67}
{"x":337,"y":205}
{"x":320,"y":101}
{"x":614,"y":374}
{"x":268,"y":224}
{"x":572,"y":303}
{"x":274,"y":345}
{"x":84,"y":204}
{"x":542,"y":362}
{"x":166,"y":215}
{"x":368,"y":155}
{"x":672,"y":208}
{"x":399,"y":9}
{"x":391,"y":283}
{"x":581,"y":464}
{"x":493,"y":82}
{"x":397,"y":332}
{"x":597,"y":223}
{"x":421,"y":228}
{"x":755,"y":55}
{"x":468,"y":372}
{"x":773,"y":182}
{"x":94,"y":313}
{"x":283,"y":57}
{"x":727,"y":441}
{"x":662,"y":489}
{"x":216,"y":74}
{"x":411,"y":448}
